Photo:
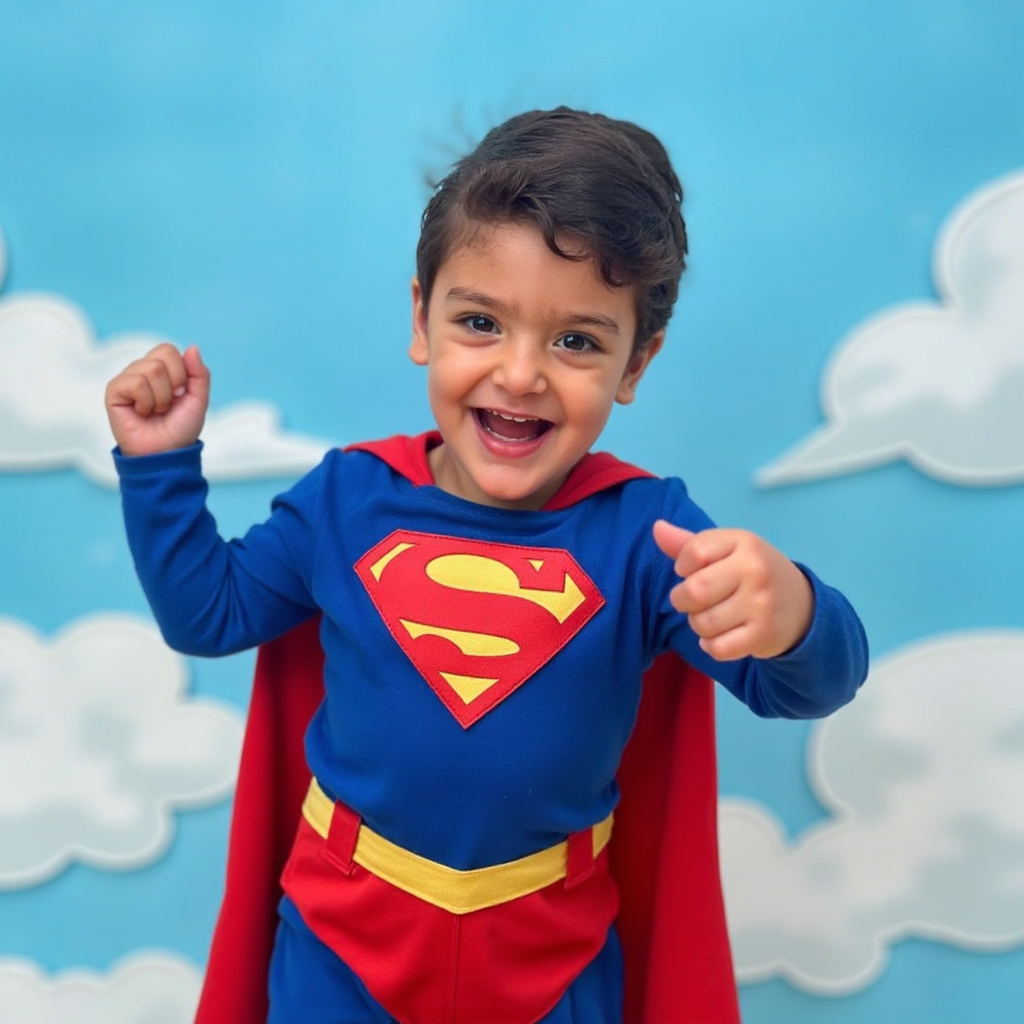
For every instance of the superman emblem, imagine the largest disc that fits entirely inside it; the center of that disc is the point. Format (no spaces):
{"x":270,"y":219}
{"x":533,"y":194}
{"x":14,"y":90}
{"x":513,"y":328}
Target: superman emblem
{"x":477,"y":619}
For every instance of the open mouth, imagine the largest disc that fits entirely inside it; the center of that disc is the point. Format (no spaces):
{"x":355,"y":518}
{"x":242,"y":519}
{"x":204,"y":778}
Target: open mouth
{"x":512,"y":428}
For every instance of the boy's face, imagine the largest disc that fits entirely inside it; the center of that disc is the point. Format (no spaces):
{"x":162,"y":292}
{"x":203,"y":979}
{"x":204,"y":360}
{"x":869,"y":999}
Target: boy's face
{"x":525,"y":352}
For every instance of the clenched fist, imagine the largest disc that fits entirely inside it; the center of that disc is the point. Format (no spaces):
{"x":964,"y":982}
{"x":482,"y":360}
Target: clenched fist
{"x":159,"y":402}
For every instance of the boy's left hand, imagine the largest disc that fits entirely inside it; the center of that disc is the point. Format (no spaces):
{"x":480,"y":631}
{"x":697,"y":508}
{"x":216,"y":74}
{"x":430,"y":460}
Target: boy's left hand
{"x":743,"y":596}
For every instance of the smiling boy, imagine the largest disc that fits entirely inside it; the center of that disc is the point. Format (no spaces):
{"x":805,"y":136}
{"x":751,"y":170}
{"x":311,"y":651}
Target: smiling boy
{"x":526,"y":352}
{"x":491,"y":594}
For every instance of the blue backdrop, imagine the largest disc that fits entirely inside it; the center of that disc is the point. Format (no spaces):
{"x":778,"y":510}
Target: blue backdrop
{"x":250,"y":178}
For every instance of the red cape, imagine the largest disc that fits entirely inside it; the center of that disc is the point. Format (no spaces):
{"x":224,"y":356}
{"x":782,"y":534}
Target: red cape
{"x":664,"y":849}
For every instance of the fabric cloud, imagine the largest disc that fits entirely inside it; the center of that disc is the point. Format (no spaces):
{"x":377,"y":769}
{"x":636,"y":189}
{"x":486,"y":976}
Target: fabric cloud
{"x":51,"y":401}
{"x":940,"y":385}
{"x":151,"y":988}
{"x":922,"y":776}
{"x":100,"y":742}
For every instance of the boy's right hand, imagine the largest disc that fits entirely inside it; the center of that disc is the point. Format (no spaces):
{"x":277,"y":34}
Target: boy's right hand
{"x":159,"y":402}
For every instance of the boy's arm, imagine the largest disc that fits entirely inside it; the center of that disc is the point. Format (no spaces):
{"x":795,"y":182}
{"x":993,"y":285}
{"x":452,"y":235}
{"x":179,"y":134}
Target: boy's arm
{"x":208,"y":596}
{"x":770,"y":631}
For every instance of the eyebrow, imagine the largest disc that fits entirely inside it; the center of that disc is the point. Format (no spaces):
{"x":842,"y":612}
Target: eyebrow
{"x":488,"y":302}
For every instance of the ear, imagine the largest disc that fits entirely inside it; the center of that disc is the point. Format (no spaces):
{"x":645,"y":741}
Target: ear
{"x":418,"y":345}
{"x":637,"y":365}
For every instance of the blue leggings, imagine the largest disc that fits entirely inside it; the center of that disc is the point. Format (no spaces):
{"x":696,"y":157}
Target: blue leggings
{"x":309,"y":983}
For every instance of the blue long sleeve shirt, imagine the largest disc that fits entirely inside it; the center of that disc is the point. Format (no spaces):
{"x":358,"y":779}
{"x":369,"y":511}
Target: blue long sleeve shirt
{"x":433,"y":607}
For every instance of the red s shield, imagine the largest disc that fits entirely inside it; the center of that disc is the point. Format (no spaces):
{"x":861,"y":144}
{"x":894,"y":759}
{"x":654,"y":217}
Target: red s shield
{"x":477,"y":619}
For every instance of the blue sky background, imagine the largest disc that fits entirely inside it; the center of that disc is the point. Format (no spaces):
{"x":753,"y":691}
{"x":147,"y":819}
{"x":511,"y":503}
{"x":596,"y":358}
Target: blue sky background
{"x":249,"y":177}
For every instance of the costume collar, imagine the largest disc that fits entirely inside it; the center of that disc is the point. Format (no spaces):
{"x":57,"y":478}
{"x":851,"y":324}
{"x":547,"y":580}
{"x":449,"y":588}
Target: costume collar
{"x":595,"y":472}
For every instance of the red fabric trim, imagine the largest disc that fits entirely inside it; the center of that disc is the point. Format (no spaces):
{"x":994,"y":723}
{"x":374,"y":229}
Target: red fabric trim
{"x":593,"y":473}
{"x":407,"y":456}
{"x":342,"y":835}
{"x":579,"y":857}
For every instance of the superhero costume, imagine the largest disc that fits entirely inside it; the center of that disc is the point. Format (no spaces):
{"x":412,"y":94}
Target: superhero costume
{"x":372,"y":505}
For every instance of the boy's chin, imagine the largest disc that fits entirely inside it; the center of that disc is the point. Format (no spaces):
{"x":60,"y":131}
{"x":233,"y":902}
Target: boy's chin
{"x":527,"y":495}
{"x":509,"y":486}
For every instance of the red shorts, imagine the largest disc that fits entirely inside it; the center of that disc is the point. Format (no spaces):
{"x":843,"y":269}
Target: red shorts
{"x":504,"y":964}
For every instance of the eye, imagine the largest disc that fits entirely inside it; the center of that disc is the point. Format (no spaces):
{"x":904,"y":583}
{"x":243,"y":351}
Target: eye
{"x":578,"y":343}
{"x":479,"y":323}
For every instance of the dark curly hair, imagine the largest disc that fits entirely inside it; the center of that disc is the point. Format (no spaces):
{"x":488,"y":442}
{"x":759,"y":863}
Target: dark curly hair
{"x":604,"y":187}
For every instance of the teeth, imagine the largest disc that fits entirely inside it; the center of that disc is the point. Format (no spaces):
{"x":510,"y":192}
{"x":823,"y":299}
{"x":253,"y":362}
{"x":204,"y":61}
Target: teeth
{"x":513,"y":419}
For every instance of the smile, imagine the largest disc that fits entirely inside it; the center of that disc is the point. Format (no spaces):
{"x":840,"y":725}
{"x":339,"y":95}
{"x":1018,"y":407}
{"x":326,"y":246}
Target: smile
{"x":506,"y":427}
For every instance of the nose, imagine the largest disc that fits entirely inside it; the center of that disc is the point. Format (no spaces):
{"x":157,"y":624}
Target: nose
{"x":520,"y":368}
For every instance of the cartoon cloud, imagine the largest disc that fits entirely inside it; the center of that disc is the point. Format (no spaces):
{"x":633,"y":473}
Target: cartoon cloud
{"x":152,"y":987}
{"x":51,"y":401}
{"x":922,"y":777}
{"x":100,"y":743}
{"x":938,"y":384}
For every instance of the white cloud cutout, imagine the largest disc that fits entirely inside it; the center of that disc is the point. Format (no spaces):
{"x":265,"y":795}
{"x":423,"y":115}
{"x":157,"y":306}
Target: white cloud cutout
{"x":51,"y":401}
{"x":100,"y":743}
{"x":923,"y":776}
{"x":940,"y":385}
{"x":148,"y":988}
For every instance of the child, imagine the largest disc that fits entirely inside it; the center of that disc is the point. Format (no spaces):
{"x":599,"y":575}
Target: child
{"x":491,"y":595}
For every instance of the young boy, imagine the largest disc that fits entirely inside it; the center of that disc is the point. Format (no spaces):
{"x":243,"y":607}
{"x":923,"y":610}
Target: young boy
{"x":491,"y":595}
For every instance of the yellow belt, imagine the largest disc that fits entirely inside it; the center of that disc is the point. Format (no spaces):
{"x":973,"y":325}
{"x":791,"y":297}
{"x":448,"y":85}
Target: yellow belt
{"x":458,"y":892}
